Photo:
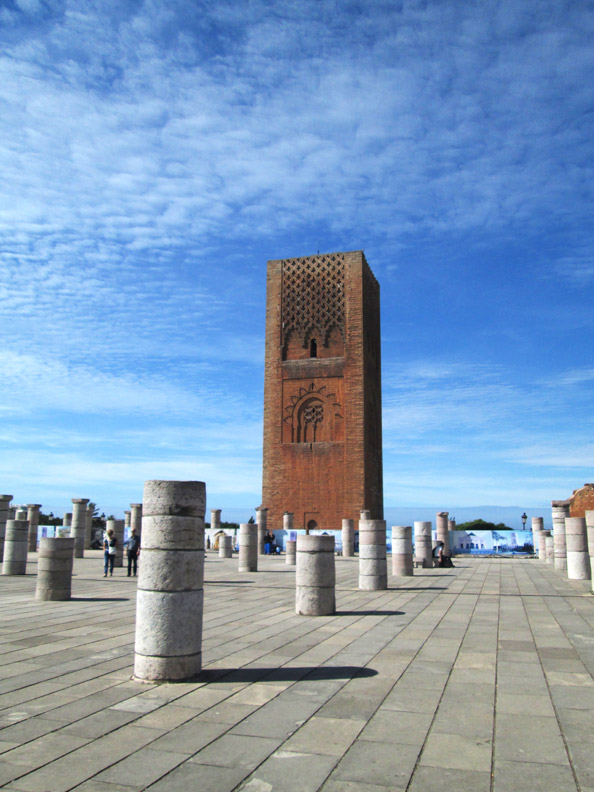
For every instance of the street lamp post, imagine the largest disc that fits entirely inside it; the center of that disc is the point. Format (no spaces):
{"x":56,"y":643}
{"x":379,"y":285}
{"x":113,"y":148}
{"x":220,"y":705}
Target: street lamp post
{"x":524,"y":518}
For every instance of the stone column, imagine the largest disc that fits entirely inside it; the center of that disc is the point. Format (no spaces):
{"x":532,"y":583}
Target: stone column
{"x":550,"y":548}
{"x":262,"y":523}
{"x":288,"y":522}
{"x":576,"y":538}
{"x":11,"y":513}
{"x":33,"y":518}
{"x":423,"y":544}
{"x":441,"y":525}
{"x":542,"y":545}
{"x":348,"y":538}
{"x":452,"y":536}
{"x":127,"y":519}
{"x":54,"y":569}
{"x":4,"y":506}
{"x":248,"y":547}
{"x":373,"y":566}
{"x":170,"y":600}
{"x":79,"y":525}
{"x":560,"y":512}
{"x":117,"y":527}
{"x":315,"y":577}
{"x":537,"y":527}
{"x":67,"y":520}
{"x":402,"y":551}
{"x":590,"y":530}
{"x":136,"y":519}
{"x":21,"y":513}
{"x":290,"y":550}
{"x":89,"y":526}
{"x":16,"y":543}
{"x":226,"y":547}
{"x":365,"y":514}
{"x":215,"y":519}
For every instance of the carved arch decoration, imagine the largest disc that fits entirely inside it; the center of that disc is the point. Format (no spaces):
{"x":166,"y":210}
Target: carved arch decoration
{"x":313,"y":416}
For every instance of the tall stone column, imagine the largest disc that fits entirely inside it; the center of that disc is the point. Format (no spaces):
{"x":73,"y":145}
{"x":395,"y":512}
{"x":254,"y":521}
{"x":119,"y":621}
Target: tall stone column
{"x":542,"y":545}
{"x":348,"y":538}
{"x":402,"y":551}
{"x":560,"y":512}
{"x":441,"y":525}
{"x":226,"y":547}
{"x":54,"y":569}
{"x":170,"y":600}
{"x":33,"y":518}
{"x":127,"y":519}
{"x":79,"y":525}
{"x":11,"y":513}
{"x":136,"y":520}
{"x":452,"y":536}
{"x":262,"y":523}
{"x":215,"y":519}
{"x":537,"y":527}
{"x":589,"y":516}
{"x":248,"y":547}
{"x":89,"y":526}
{"x":290,"y":552}
{"x":4,"y":506}
{"x":67,"y":521}
{"x":550,"y":547}
{"x":16,"y":543}
{"x":423,"y":553}
{"x":373,"y":567}
{"x":315,"y":577}
{"x":117,"y":526}
{"x":578,"y":560}
{"x":21,"y":514}
{"x":288,"y":522}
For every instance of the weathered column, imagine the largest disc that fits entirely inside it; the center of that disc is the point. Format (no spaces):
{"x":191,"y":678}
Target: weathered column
{"x":441,"y":525}
{"x":423,"y":544}
{"x":365,"y":514}
{"x":117,"y":526}
{"x":262,"y":523}
{"x":89,"y":526}
{"x":402,"y":551}
{"x":225,"y":546}
{"x":33,"y":518}
{"x":4,"y":506}
{"x":542,"y":545}
{"x":170,"y":600}
{"x":11,"y":513}
{"x":348,"y":538}
{"x":136,"y":520}
{"x":288,"y":521}
{"x":576,"y":538}
{"x":315,"y":577}
{"x":79,"y":525}
{"x":127,"y":520}
{"x":67,"y":520}
{"x":560,"y":512}
{"x":215,"y":519}
{"x":452,"y":536}
{"x":589,"y":516}
{"x":537,"y":527}
{"x":373,"y":566}
{"x":16,"y":542}
{"x":54,"y":569}
{"x":248,"y":547}
{"x":550,"y":548}
{"x":21,"y":513}
{"x":290,"y":551}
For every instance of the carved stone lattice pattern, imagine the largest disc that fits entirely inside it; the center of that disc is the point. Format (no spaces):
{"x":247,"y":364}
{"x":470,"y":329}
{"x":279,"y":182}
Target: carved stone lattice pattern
{"x":313,"y":297}
{"x":313,"y":413}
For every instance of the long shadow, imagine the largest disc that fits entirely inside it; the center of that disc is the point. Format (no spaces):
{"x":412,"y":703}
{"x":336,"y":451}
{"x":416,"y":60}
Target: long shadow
{"x":293,"y":674}
{"x":369,"y":613}
{"x":418,"y":588}
{"x":99,"y":599}
{"x":228,"y":582}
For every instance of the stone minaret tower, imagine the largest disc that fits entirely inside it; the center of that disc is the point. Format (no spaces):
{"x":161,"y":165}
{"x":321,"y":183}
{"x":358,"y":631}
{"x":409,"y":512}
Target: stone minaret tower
{"x":322,"y":391}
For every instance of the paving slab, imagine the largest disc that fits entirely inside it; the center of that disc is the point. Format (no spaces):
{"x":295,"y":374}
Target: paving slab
{"x":475,"y":678}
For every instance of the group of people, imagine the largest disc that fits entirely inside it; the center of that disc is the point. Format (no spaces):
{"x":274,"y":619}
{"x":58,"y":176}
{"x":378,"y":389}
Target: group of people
{"x":110,"y":545}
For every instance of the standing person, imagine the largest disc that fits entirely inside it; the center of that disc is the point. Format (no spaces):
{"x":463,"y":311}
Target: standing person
{"x":133,"y":553}
{"x":109,"y":550}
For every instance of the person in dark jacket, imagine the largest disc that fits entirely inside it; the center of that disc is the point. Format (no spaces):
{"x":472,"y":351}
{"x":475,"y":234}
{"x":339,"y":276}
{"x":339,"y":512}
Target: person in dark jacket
{"x":133,"y":553}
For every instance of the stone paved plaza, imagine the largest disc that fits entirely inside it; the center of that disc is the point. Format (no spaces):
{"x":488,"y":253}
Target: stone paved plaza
{"x":473,"y":678}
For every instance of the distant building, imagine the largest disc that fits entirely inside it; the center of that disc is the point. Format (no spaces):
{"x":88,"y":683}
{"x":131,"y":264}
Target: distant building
{"x":322,"y":391}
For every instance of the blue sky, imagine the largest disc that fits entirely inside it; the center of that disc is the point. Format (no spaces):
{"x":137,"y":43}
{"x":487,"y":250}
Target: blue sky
{"x":154,"y":156}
